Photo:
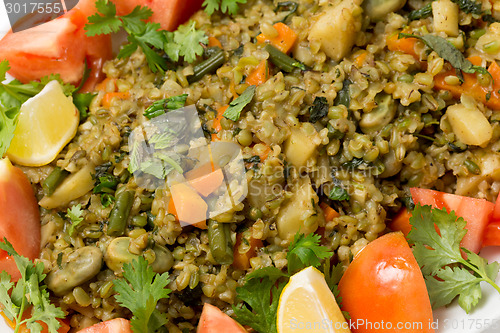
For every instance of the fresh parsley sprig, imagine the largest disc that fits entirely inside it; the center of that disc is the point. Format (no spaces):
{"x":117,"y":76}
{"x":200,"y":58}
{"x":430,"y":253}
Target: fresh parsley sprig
{"x":75,"y":215}
{"x":140,"y":292}
{"x":185,"y":42}
{"x":230,"y":7}
{"x":447,"y":274}
{"x":263,"y":287}
{"x":28,"y":291}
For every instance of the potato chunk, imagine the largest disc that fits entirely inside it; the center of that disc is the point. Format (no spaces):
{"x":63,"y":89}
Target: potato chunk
{"x":337,"y":27}
{"x":300,"y":213}
{"x":445,"y":15}
{"x":301,"y":145}
{"x":469,"y":125}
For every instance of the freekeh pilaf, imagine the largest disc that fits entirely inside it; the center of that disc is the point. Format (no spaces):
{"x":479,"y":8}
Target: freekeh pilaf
{"x":361,"y":116}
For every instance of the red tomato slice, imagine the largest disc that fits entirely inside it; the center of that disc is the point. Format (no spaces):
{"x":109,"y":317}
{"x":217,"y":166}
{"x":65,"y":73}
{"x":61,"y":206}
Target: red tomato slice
{"x":19,"y":218}
{"x":496,"y":210}
{"x":384,"y":289}
{"x":169,"y":13}
{"x":213,"y":320}
{"x":476,"y":212}
{"x":118,"y":325}
{"x":492,"y":234}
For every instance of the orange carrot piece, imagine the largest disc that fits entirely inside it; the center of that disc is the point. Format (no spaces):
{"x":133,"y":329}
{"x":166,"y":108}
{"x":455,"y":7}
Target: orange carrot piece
{"x":284,"y":41}
{"x":216,"y":126}
{"x":205,"y":179}
{"x":102,"y":86}
{"x":190,"y":207}
{"x":259,"y":75}
{"x":487,"y":95}
{"x":401,"y":222}
{"x":212,"y":41}
{"x":405,"y":45}
{"x":328,"y":212}
{"x":360,"y":59}
{"x":263,"y":155}
{"x":242,"y":260}
{"x":106,"y":100}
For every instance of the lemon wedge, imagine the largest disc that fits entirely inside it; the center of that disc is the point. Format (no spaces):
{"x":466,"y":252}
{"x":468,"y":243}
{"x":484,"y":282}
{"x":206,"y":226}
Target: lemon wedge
{"x":46,"y":123}
{"x":307,"y":305}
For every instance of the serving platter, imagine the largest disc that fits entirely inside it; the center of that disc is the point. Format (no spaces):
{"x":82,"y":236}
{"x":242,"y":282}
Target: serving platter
{"x":485,"y":318}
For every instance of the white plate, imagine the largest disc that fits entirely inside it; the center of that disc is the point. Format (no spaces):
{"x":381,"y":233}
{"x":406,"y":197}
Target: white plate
{"x":484,"y":319}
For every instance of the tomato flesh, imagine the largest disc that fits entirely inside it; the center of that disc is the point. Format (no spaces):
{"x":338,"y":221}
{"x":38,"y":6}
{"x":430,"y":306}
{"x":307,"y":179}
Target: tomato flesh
{"x":118,"y":325}
{"x":476,"y":212}
{"x":384,"y":284}
{"x":213,"y":320}
{"x":19,"y":216}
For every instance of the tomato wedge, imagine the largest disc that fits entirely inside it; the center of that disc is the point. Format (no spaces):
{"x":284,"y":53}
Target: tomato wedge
{"x":384,"y":291}
{"x":19,"y":217}
{"x":118,"y":325}
{"x":476,"y":212}
{"x":492,"y":230}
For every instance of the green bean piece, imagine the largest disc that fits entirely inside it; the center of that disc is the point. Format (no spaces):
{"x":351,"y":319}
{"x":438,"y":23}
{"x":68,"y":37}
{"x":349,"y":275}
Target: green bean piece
{"x":55,"y":178}
{"x":119,"y":214}
{"x":283,"y":61}
{"x":472,"y":167}
{"x":219,"y":239}
{"x":217,"y":59}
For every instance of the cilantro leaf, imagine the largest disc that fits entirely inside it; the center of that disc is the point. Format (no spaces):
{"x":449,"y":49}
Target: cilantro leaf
{"x":233,"y":112}
{"x":260,"y":296}
{"x":448,"y":52}
{"x":75,"y":215}
{"x":230,"y":7}
{"x":140,"y":292}
{"x":188,"y":41}
{"x":104,"y":21}
{"x":185,"y":42}
{"x":436,"y":236}
{"x":28,"y":291}
{"x":82,"y":102}
{"x":305,"y":251}
{"x":339,"y":194}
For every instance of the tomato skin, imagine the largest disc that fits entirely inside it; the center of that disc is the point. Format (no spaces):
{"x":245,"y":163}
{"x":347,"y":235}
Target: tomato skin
{"x":19,"y":216}
{"x":384,"y":283}
{"x":213,"y":320}
{"x":118,"y":325}
{"x":476,"y":212}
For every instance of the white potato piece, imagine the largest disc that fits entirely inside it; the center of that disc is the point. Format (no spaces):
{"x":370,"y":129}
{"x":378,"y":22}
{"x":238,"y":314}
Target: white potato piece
{"x":71,"y":188}
{"x":445,"y":15}
{"x":301,"y":145}
{"x":337,"y":27}
{"x":469,"y":125}
{"x":300,"y":212}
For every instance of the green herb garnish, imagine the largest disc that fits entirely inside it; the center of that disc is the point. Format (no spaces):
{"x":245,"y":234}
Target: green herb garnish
{"x":447,"y":274}
{"x":75,"y":216}
{"x":172,"y":103}
{"x":318,"y":110}
{"x":448,"y":52}
{"x":29,"y":290}
{"x":230,"y":7}
{"x":140,"y":292}
{"x":233,"y":112}
{"x":338,"y":194}
{"x":184,"y":42}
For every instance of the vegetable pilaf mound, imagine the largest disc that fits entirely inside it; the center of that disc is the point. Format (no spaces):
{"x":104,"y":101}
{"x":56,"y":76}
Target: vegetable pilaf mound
{"x":336,"y":109}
